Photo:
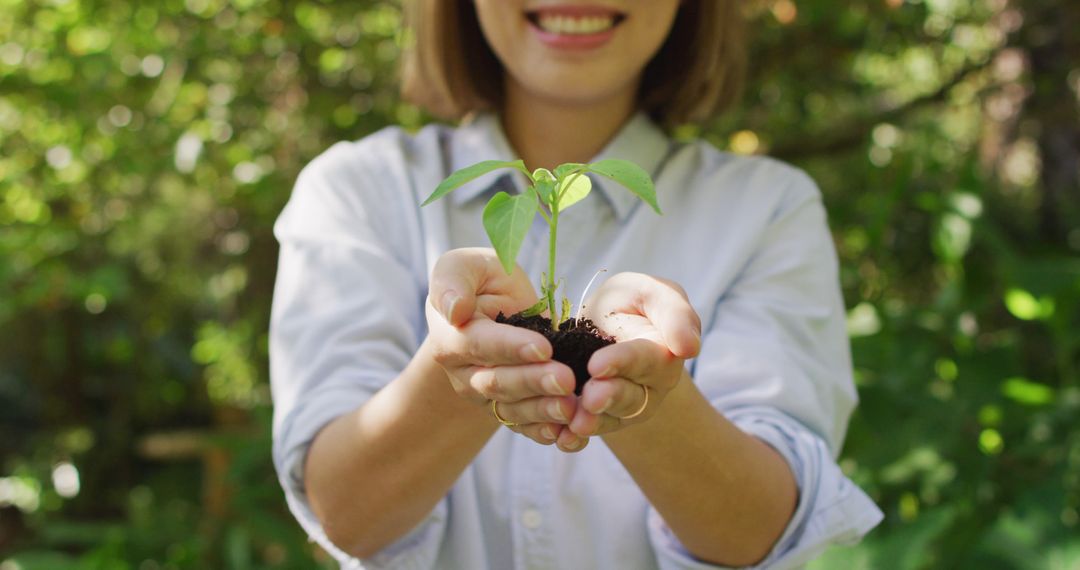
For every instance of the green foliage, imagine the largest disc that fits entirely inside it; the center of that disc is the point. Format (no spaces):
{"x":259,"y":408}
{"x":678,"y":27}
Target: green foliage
{"x":507,"y":219}
{"x":146,"y":148}
{"x":468,"y":173}
{"x":564,"y":313}
{"x":629,"y":175}
{"x":573,"y":189}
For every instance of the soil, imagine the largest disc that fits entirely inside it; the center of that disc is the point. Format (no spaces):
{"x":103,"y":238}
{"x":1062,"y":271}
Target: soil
{"x":574,"y":342}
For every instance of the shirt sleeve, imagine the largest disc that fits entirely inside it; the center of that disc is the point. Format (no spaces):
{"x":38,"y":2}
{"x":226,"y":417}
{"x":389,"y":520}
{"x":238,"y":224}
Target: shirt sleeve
{"x":347,"y":317}
{"x":776,"y":361}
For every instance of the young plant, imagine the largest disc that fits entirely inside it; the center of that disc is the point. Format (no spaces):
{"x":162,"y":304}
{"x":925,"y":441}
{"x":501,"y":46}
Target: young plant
{"x":507,"y":218}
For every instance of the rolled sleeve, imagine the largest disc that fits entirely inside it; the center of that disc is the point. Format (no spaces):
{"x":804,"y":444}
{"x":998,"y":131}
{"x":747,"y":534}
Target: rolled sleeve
{"x":775,"y":361}
{"x":346,"y":319}
{"x":831,"y":509}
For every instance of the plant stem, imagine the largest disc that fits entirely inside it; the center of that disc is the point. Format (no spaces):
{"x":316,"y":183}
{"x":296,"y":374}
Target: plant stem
{"x":553,"y":224}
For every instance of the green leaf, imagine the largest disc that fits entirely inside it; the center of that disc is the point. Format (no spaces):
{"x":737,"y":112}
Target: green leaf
{"x":630,"y":175}
{"x":507,"y":219}
{"x":565,"y":312}
{"x":573,"y":189}
{"x":468,"y":173}
{"x":1027,"y":392}
{"x":545,"y":184}
{"x":536,"y":309}
{"x":562,"y":170}
{"x":1025,"y":306}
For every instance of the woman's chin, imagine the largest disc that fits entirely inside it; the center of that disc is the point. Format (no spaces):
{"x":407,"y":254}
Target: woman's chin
{"x":571,"y":84}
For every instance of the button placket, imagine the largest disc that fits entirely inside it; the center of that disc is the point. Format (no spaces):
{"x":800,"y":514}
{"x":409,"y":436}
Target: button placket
{"x":534,"y":509}
{"x":531,"y":518}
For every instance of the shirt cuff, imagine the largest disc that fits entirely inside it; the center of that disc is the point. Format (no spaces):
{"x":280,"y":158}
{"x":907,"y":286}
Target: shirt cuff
{"x":831,"y":509}
{"x":416,"y":550}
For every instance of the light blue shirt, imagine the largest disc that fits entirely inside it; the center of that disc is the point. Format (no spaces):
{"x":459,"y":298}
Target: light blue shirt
{"x":746,"y":237}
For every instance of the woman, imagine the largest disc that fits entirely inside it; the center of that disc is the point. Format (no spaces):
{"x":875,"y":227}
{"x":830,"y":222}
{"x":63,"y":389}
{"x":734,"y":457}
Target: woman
{"x":721,"y":409}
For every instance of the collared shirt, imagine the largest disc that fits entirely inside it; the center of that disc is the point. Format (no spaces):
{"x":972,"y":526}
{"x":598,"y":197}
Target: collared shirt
{"x":747,"y":239}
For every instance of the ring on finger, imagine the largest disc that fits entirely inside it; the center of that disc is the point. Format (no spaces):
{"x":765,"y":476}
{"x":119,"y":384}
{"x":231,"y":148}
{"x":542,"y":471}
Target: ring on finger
{"x":644,"y":404}
{"x":502,"y":420}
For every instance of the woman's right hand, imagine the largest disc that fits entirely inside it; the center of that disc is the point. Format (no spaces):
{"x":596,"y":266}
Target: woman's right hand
{"x":486,"y":361}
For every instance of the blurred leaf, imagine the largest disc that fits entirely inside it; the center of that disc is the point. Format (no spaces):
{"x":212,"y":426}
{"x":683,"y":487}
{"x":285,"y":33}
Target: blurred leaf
{"x":1026,"y":307}
{"x":1024,"y":391}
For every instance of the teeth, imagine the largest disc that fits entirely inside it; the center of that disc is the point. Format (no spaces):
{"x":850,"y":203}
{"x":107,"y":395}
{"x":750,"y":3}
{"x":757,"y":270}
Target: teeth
{"x":576,"y":26}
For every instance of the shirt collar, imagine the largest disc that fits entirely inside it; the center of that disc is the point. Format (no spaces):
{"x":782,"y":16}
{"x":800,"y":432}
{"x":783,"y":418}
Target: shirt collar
{"x":481,"y":137}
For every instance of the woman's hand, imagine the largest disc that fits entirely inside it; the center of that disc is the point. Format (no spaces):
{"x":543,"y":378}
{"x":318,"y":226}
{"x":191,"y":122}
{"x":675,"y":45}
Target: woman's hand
{"x":486,"y":361}
{"x":657,"y":330}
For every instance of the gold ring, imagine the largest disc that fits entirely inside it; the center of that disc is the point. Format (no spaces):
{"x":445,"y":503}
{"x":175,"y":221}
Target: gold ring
{"x":644,"y":404}
{"x":495,"y":412}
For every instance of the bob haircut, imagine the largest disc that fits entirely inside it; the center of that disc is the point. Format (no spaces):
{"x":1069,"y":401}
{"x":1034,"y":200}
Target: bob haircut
{"x":450,"y":71}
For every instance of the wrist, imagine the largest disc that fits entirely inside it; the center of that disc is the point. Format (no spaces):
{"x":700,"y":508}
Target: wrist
{"x":670,"y":416}
{"x":433,"y":381}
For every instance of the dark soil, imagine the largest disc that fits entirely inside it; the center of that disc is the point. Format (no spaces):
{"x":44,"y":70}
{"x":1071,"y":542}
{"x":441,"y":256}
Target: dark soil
{"x":574,"y":343}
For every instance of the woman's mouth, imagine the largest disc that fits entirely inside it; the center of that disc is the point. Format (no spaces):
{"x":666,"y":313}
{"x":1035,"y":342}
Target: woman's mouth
{"x":574,"y":27}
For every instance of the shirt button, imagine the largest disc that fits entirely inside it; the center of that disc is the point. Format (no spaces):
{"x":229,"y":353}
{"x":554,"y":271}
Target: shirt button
{"x":531,"y":518}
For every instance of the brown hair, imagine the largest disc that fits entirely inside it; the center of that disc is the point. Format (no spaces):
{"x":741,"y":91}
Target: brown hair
{"x":450,"y":70}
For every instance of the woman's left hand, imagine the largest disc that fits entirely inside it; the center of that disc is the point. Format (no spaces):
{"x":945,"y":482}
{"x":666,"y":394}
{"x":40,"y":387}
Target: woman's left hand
{"x":656,"y":330}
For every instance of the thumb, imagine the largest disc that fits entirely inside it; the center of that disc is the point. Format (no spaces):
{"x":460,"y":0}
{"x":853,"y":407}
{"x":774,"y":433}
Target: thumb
{"x":455,"y":282}
{"x":668,"y":308}
{"x":456,"y":308}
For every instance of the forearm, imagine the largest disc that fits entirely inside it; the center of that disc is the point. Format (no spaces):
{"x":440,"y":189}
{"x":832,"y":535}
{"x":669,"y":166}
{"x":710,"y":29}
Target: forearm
{"x":725,"y":494}
{"x":373,"y":474}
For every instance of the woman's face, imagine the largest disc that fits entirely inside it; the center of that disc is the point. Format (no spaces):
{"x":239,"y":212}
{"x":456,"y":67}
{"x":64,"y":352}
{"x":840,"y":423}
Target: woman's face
{"x":575,"y":51}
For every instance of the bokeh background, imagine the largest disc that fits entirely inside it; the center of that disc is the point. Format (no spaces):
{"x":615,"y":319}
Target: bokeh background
{"x":146,"y":148}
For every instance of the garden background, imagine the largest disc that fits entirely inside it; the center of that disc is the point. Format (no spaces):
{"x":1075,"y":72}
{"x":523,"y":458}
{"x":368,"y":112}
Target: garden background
{"x":146,"y":148}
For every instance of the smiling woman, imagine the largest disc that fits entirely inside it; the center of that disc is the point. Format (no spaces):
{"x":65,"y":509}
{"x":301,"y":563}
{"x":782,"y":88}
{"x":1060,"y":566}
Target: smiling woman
{"x":696,"y":72}
{"x":718,"y":411}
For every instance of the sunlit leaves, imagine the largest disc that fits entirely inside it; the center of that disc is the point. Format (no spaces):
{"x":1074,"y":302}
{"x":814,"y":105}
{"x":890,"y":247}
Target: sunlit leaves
{"x":990,"y":441}
{"x":1024,"y":391}
{"x":1023,"y":305}
{"x":573,"y":189}
{"x":863,"y":320}
{"x":953,"y":236}
{"x":226,"y":353}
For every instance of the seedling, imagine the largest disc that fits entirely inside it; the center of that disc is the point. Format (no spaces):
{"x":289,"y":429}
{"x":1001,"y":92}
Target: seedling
{"x":507,"y":218}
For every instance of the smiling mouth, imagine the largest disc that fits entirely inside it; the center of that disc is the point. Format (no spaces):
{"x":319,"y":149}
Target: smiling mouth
{"x":574,"y":22}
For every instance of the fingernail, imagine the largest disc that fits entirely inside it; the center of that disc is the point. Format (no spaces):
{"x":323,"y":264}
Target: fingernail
{"x":551,"y":384}
{"x":531,"y":353}
{"x":556,"y":412}
{"x":547,"y":433}
{"x":607,"y":373}
{"x":606,"y":405}
{"x":572,"y":444}
{"x":449,"y":301}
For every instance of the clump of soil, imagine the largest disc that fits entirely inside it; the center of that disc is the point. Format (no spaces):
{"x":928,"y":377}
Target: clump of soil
{"x":573,"y":344}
